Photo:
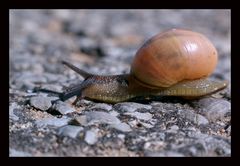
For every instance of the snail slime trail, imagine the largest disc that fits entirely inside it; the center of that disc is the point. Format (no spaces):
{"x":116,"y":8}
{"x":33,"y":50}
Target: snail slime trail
{"x":176,"y":62}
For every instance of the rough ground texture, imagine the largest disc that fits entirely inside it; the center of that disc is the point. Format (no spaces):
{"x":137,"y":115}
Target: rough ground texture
{"x":105,"y":41}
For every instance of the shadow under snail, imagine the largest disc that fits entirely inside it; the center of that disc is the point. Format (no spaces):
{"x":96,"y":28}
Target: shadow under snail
{"x":176,"y":62}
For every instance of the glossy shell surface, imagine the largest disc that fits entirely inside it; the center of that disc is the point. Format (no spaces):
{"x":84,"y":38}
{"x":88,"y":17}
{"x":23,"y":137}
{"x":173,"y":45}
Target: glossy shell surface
{"x":173,"y":56}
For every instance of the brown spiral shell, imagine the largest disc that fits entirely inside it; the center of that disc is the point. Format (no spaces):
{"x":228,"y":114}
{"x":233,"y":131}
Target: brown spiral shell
{"x":173,"y":56}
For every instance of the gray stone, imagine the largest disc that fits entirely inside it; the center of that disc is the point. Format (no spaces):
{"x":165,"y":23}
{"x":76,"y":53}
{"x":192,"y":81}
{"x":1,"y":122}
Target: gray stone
{"x":193,"y":117}
{"x":174,"y":128}
{"x":146,"y":125}
{"x":30,"y":77}
{"x":218,"y":144}
{"x":70,"y":131}
{"x":121,"y":136}
{"x":164,"y":154}
{"x":82,"y":120}
{"x":42,"y":103}
{"x":52,"y":87}
{"x":27,"y":80}
{"x":141,"y":116}
{"x":101,"y":118}
{"x":114,"y":113}
{"x":201,"y":120}
{"x":12,"y":107}
{"x":154,"y":145}
{"x":63,"y":108}
{"x":17,"y":153}
{"x":53,"y":98}
{"x":55,"y":77}
{"x":195,"y":148}
{"x":131,"y":106}
{"x":228,"y":130}
{"x":121,"y":127}
{"x":102,"y":106}
{"x":91,"y":137}
{"x":214,"y":109}
{"x":135,"y":124}
{"x":52,"y":122}
{"x":196,"y":134}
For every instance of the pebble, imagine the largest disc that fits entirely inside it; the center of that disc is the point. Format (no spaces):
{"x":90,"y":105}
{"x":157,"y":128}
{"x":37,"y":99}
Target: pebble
{"x":146,"y":125}
{"x":228,"y":130}
{"x":52,"y":98}
{"x":88,"y":45}
{"x":42,"y":103}
{"x":174,"y":128}
{"x":193,"y":117}
{"x":53,"y":122}
{"x":55,"y":77}
{"x":154,"y":145}
{"x":139,"y":124}
{"x":63,"y":108}
{"x":27,"y":80}
{"x":70,"y":131}
{"x":196,"y":149}
{"x":12,"y":107}
{"x":101,"y":118}
{"x":134,"y":123}
{"x":121,"y":136}
{"x":195,"y":134}
{"x":141,"y":116}
{"x":218,"y":144}
{"x":17,"y":153}
{"x":121,"y":127}
{"x":214,"y":109}
{"x":30,"y":77}
{"x":91,"y":137}
{"x":52,"y":87}
{"x":131,"y":106}
{"x":201,"y":120}
{"x":102,"y":106}
{"x":82,"y":120}
{"x":114,"y":113}
{"x":164,"y":154}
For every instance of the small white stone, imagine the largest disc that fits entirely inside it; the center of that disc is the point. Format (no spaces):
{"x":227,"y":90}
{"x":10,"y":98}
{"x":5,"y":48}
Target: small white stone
{"x":131,"y":106}
{"x":91,"y":137}
{"x":142,"y":116}
{"x":11,"y":111}
{"x":70,"y":131}
{"x":82,"y":120}
{"x":121,"y":136}
{"x":147,"y":125}
{"x":101,"y":118}
{"x":63,"y":108}
{"x":114,"y":113}
{"x":121,"y":127}
{"x":40,"y":102}
{"x":54,"y":122}
{"x":102,"y":106}
{"x":174,"y":127}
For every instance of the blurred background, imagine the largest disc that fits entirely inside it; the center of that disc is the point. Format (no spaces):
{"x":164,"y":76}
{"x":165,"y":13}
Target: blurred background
{"x":105,"y":42}
{"x":101,"y":41}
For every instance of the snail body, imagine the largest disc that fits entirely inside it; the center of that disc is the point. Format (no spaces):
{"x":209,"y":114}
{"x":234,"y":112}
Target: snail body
{"x":173,"y":63}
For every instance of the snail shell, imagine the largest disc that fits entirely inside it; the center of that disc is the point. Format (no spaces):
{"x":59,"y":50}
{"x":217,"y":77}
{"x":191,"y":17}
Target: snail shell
{"x":174,"y":56}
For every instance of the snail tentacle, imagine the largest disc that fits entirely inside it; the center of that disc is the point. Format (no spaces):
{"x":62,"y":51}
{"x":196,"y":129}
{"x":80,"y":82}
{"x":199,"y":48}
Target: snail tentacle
{"x":81,"y":72}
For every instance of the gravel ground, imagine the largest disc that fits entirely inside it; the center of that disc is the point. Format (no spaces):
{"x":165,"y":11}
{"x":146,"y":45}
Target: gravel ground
{"x":105,"y":41}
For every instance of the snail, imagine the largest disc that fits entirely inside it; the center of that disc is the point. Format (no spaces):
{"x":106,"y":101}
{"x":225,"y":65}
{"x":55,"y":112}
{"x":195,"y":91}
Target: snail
{"x":176,"y":62}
